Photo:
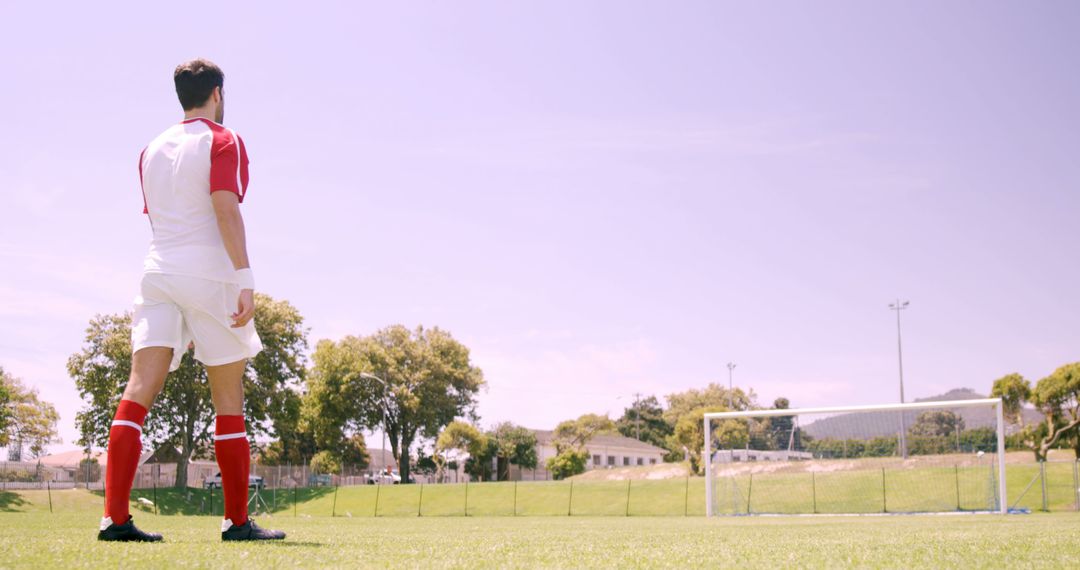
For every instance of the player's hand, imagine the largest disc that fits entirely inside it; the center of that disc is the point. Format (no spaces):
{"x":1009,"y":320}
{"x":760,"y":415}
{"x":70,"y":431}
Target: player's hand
{"x":245,"y":308}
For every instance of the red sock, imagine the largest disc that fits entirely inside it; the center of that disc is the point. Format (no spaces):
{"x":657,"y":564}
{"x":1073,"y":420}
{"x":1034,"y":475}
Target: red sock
{"x":234,"y":459}
{"x":125,"y":446}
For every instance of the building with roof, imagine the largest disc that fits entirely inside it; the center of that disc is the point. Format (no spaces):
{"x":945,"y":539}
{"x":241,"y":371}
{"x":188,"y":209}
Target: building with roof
{"x":606,"y":451}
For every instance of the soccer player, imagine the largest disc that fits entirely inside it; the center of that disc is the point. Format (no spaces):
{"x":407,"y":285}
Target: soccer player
{"x":197,"y":287}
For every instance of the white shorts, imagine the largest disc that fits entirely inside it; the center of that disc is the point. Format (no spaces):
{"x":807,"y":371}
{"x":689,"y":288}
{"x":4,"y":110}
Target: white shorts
{"x":174,"y":310}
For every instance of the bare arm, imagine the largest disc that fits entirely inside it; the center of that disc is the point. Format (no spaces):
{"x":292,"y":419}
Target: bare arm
{"x":231,"y":226}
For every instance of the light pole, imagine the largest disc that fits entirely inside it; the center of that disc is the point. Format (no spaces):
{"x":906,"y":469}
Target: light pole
{"x":730,"y":385}
{"x":900,"y":306}
{"x":385,"y":388}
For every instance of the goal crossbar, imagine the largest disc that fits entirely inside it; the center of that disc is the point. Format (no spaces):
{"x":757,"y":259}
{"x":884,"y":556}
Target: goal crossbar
{"x":841,"y":409}
{"x":996,"y":403}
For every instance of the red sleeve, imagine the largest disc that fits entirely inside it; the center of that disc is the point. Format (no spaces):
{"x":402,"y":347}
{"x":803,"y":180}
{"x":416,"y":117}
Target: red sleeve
{"x":142,"y":187}
{"x":228,"y":163}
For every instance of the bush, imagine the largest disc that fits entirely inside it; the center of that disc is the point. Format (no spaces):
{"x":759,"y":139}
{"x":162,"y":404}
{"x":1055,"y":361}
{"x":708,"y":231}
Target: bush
{"x":18,"y":476}
{"x":980,"y":439}
{"x":568,"y":463}
{"x":325,"y":463}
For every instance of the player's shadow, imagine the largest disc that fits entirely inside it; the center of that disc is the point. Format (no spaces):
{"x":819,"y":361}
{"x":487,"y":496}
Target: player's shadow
{"x":11,"y":502}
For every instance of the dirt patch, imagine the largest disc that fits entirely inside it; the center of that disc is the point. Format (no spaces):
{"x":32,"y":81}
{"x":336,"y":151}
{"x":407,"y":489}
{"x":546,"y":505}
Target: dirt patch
{"x":647,"y":472}
{"x":680,"y":470}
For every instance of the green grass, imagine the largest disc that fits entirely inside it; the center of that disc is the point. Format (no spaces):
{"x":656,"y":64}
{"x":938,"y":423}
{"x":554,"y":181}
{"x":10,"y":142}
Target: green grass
{"x":39,"y":539}
{"x":894,"y":490}
{"x":674,"y":497}
{"x":925,"y":489}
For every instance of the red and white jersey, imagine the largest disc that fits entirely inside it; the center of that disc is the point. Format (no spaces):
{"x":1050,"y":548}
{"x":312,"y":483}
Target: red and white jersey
{"x":178,"y":171}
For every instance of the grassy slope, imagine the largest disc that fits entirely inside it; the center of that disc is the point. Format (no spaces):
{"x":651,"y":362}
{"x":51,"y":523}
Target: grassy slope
{"x":66,"y":541}
{"x":928,"y":488}
{"x":670,"y":497}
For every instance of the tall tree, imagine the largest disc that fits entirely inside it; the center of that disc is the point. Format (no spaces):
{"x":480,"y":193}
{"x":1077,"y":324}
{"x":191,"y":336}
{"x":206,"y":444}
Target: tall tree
{"x":339,"y":402}
{"x":716,"y":398}
{"x":478,"y":465}
{"x":782,"y":427}
{"x":458,"y":441}
{"x":275,"y":379}
{"x":570,"y":439}
{"x":426,"y":380}
{"x":5,"y":405}
{"x":294,"y":443}
{"x":712,"y":396}
{"x":575,"y":434}
{"x":689,"y":435}
{"x":644,"y":421}
{"x":30,"y":421}
{"x":1057,"y":397}
{"x":1014,"y":391}
{"x":182,"y":415}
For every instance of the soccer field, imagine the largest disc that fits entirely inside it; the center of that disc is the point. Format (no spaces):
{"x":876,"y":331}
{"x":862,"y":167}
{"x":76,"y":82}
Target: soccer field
{"x":39,"y":539}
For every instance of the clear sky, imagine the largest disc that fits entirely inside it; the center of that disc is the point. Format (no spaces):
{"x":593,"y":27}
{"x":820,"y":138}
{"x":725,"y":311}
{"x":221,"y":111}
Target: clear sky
{"x":598,"y":198}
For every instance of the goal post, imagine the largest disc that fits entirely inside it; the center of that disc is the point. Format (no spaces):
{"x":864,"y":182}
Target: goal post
{"x":922,"y":457}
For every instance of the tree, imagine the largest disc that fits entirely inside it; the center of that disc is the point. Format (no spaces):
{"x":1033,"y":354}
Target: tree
{"x":458,"y":439}
{"x":295,"y":442}
{"x":514,"y":445}
{"x":1058,"y":397}
{"x":782,"y":426}
{"x":715,"y":398}
{"x":713,"y":395}
{"x":478,"y":466}
{"x":30,"y":421}
{"x":570,"y":438}
{"x":575,"y":434}
{"x":506,"y":444}
{"x":183,"y":414}
{"x":325,"y":463}
{"x":5,"y":406}
{"x":429,"y":382}
{"x":933,"y":423}
{"x":277,"y":376}
{"x":355,"y":452}
{"x":1014,"y":391}
{"x":338,"y":400}
{"x":689,"y":435}
{"x":644,"y":421}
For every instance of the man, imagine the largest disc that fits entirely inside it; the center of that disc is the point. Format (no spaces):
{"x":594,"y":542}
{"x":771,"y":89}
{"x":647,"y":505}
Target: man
{"x":197,"y":287}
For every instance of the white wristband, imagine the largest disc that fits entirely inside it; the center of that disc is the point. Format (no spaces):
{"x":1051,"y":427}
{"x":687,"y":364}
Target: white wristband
{"x":245,"y":278}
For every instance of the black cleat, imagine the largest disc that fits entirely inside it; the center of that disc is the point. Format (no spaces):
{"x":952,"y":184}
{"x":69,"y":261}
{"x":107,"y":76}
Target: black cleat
{"x":126,"y":532}
{"x":249,"y":531}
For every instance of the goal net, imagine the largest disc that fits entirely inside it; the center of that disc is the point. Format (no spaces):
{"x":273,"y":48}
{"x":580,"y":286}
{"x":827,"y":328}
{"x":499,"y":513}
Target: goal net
{"x":924,"y":457}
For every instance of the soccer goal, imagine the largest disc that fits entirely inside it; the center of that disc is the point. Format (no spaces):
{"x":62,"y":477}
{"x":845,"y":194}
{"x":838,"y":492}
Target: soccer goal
{"x":925,"y":457}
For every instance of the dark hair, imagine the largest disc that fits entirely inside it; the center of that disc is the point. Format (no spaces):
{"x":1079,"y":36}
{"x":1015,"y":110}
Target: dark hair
{"x":195,"y":81}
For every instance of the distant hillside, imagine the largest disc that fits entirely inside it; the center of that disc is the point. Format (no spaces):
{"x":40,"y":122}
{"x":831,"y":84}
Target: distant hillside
{"x":877,"y":424}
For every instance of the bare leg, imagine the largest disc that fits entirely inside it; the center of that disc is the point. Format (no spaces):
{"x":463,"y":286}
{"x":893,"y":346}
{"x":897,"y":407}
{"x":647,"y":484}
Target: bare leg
{"x":149,"y":366}
{"x":227,"y":387}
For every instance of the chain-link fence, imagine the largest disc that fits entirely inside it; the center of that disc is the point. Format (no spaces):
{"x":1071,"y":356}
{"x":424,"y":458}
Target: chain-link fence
{"x":295,"y":490}
{"x":90,"y":475}
{"x":16,"y":475}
